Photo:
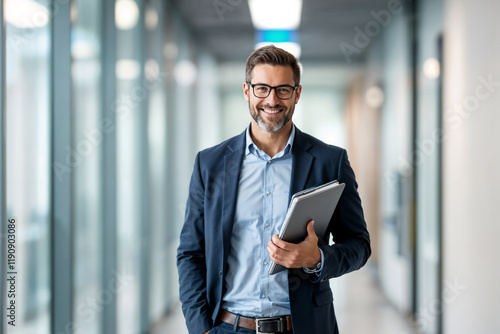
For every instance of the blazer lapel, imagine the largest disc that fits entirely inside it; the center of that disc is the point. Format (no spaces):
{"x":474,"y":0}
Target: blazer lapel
{"x":232,"y":167}
{"x":302,"y":162}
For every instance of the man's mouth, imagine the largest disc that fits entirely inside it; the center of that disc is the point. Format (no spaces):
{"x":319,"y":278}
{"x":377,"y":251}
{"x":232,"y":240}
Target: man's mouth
{"x":271,"y":111}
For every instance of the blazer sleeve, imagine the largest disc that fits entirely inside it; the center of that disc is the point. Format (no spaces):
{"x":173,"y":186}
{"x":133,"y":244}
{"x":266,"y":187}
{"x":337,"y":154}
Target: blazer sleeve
{"x":191,"y":263}
{"x":351,"y":248}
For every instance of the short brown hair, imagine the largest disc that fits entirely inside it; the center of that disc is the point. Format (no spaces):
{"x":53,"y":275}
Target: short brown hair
{"x":272,"y":55}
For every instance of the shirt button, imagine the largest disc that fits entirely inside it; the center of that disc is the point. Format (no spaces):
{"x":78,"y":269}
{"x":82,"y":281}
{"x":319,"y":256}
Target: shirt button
{"x":269,"y":193}
{"x":269,"y":162}
{"x":267,"y":224}
{"x":263,"y":296}
{"x":265,"y":263}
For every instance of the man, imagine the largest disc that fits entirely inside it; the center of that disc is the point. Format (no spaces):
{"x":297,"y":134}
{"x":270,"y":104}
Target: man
{"x":238,"y":197}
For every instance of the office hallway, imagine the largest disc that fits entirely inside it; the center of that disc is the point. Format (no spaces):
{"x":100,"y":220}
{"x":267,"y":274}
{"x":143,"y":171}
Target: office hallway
{"x":104,"y":106}
{"x":360,"y":307}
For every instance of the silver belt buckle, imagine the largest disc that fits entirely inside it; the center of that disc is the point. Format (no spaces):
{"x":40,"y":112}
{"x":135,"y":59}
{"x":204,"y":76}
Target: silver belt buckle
{"x":257,"y":326}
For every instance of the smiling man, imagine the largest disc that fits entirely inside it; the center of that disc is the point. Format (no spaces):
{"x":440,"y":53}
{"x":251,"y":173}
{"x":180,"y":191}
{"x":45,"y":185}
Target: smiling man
{"x":238,"y":198}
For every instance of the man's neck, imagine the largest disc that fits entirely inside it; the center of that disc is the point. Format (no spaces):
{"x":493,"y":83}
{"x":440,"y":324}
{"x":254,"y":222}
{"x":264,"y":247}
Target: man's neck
{"x":270,"y":142}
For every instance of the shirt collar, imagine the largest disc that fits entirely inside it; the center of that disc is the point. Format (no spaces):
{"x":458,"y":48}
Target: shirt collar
{"x":251,"y":147}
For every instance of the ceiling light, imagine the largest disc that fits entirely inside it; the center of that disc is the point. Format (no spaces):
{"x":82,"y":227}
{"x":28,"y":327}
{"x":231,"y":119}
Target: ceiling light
{"x":151,"y":18}
{"x":26,"y":14}
{"x":275,"y":14}
{"x":82,"y":49}
{"x":185,"y":73}
{"x":374,"y":97}
{"x":432,"y":68}
{"x":127,"y":69}
{"x":126,"y":14}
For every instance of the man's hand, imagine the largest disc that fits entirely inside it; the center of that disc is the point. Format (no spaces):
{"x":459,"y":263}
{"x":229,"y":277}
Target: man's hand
{"x":305,"y":254}
{"x":206,"y":332}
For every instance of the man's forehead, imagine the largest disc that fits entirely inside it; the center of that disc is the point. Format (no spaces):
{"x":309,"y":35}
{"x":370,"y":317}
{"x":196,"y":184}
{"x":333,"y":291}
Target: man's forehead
{"x":271,"y":67}
{"x":266,"y":70}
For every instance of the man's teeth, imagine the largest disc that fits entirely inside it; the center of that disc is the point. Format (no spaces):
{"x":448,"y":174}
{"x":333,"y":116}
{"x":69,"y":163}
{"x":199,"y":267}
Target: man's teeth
{"x":272,"y":111}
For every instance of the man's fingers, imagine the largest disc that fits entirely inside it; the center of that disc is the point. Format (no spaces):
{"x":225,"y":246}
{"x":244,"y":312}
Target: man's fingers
{"x":294,"y":255}
{"x":280,"y":243}
{"x":274,"y":252}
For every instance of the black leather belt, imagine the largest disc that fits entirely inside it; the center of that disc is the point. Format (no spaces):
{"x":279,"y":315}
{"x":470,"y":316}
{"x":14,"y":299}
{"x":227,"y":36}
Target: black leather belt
{"x":260,"y":325}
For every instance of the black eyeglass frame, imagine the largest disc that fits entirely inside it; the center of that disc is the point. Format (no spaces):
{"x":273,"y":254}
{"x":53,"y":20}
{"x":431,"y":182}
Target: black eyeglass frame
{"x":270,"y":89}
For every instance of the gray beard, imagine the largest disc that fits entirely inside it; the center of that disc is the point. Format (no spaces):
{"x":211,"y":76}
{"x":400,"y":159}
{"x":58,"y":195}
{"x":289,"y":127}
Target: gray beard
{"x":278,"y":126}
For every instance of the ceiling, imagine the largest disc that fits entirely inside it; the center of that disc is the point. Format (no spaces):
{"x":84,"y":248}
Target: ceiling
{"x":224,"y":27}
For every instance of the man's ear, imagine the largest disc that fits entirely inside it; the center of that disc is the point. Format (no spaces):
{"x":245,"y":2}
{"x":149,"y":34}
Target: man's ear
{"x":297,"y":94}
{"x":245,"y":91}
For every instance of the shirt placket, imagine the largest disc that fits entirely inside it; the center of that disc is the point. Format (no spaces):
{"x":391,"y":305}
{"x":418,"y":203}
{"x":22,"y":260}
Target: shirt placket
{"x":267,"y":232}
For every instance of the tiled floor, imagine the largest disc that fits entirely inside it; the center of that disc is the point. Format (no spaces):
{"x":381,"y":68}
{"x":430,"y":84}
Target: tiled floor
{"x":360,"y":307}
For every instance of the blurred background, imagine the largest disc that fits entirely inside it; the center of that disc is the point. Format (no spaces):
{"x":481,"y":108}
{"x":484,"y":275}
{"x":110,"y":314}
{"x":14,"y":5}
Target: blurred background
{"x":104,"y":105}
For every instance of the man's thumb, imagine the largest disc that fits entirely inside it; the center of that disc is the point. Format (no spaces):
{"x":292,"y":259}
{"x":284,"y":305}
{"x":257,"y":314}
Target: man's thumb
{"x":310,"y":228}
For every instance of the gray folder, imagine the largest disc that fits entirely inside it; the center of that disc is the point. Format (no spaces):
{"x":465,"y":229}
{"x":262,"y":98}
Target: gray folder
{"x":316,"y":204}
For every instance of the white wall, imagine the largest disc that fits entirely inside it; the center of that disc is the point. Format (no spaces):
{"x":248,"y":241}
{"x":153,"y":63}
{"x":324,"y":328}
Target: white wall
{"x":471,"y":222}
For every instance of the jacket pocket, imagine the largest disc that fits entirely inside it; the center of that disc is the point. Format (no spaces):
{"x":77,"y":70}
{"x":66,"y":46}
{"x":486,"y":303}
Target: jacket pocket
{"x":323,"y":297}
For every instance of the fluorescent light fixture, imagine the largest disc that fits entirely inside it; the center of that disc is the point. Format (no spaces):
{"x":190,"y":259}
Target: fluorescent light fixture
{"x":26,"y":14}
{"x":275,"y":14}
{"x":292,"y":47}
{"x":126,"y":14}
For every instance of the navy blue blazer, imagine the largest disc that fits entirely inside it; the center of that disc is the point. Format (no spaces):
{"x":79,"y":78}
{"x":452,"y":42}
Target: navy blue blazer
{"x":206,"y":235}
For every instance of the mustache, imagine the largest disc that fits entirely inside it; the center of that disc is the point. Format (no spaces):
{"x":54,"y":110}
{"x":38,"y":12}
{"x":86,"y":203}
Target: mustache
{"x":272,"y":106}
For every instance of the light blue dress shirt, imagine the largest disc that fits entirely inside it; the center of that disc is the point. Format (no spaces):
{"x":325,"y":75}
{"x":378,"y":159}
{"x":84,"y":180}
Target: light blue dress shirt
{"x":261,"y":207}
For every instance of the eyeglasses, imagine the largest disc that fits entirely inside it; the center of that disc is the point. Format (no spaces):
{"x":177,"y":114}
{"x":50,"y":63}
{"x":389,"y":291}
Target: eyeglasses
{"x":283,"y":92}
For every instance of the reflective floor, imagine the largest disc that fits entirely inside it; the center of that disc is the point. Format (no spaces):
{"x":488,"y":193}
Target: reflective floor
{"x":360,"y":307}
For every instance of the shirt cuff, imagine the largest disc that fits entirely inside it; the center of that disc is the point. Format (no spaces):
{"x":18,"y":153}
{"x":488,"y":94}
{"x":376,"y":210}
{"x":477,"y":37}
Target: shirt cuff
{"x":316,"y":271}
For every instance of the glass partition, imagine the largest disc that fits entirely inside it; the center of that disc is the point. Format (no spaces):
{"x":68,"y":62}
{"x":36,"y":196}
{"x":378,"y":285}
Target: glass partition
{"x":87,"y":138}
{"x":130,"y":96}
{"x":28,"y":166}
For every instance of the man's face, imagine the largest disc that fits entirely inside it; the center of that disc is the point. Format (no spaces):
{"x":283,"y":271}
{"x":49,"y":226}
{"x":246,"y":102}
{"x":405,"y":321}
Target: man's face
{"x":271,"y":113}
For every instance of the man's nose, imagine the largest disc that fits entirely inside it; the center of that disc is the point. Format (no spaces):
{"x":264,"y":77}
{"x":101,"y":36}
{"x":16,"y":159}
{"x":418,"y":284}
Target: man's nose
{"x":272,"y":99}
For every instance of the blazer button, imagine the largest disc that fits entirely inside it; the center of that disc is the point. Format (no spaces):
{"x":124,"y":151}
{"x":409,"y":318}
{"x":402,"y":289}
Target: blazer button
{"x":220,"y":272}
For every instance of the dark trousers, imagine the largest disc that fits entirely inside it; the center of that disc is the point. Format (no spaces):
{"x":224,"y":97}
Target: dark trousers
{"x":225,"y":328}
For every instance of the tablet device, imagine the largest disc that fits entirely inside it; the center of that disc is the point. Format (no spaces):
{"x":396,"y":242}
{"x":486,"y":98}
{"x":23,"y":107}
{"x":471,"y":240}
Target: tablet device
{"x":316,"y":204}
